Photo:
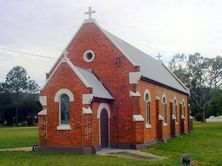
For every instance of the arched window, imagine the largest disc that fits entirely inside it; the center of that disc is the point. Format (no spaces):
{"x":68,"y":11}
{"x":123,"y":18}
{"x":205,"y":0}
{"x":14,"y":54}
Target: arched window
{"x":147,"y":99}
{"x":164,"y":108}
{"x":64,"y":109}
{"x":183,"y":108}
{"x":175,"y":108}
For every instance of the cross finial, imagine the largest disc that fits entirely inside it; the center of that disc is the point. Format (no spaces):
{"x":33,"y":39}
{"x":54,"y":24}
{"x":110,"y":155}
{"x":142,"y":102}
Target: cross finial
{"x":65,"y":53}
{"x":159,"y":56}
{"x":90,"y":12}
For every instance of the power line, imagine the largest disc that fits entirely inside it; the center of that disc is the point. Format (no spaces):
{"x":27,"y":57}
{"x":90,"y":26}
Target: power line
{"x":26,"y":53}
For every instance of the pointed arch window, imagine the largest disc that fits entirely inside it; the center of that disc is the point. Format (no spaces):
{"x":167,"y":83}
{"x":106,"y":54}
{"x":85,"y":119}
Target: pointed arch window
{"x":64,"y":109}
{"x":164,"y":108}
{"x":147,"y":99}
{"x":64,"y":97}
{"x":183,"y":109}
{"x":175,"y":108}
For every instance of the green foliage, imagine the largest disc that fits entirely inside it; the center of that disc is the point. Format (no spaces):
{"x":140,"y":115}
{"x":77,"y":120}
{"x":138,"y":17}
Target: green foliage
{"x":215,"y":107}
{"x":204,"y":77}
{"x":179,"y":67}
{"x":17,"y":81}
{"x":18,"y":98}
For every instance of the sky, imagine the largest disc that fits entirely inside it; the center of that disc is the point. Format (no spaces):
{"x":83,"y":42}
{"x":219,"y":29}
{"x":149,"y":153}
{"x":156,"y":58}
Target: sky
{"x":167,"y":27}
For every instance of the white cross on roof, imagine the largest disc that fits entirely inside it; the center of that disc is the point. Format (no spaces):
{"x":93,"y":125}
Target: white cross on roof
{"x":90,"y":12}
{"x":159,"y":56}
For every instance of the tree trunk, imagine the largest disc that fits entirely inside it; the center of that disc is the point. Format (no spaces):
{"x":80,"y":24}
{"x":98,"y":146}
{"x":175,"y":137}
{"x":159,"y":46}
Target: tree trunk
{"x":203,"y":116}
{"x":16,"y":116}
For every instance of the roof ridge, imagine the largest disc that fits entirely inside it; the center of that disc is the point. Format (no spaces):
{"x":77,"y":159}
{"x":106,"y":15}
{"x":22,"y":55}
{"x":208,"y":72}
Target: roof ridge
{"x":129,"y":44}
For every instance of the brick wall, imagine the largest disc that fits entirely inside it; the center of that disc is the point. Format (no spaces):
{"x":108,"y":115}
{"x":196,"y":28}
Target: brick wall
{"x":155,"y":90}
{"x":85,"y":128}
{"x":64,"y":77}
{"x":116,"y":79}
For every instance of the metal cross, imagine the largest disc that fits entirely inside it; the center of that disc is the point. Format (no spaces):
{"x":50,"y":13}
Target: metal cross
{"x":90,"y":12}
{"x":159,"y":56}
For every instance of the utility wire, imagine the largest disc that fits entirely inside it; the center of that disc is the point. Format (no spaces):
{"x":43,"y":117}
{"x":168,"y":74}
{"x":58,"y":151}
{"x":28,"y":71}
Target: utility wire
{"x":26,"y":53}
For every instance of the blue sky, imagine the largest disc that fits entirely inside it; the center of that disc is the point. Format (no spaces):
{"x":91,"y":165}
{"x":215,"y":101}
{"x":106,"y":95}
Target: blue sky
{"x":165,"y":26}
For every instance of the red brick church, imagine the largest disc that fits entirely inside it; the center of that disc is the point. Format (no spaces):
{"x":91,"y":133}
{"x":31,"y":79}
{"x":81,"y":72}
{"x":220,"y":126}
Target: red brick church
{"x":103,"y":92}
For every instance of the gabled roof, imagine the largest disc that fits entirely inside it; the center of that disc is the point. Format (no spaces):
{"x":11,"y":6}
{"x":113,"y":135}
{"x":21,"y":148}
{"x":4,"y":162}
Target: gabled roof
{"x":87,"y":78}
{"x":150,"y":68}
{"x":99,"y":90}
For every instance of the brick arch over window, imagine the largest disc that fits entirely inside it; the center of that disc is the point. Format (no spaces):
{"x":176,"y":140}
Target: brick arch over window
{"x":63,"y":91}
{"x":145,"y":93}
{"x":147,"y":100}
{"x":101,"y":107}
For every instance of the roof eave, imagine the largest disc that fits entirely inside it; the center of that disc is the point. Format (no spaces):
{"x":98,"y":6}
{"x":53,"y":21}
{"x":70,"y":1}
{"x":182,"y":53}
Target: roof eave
{"x":143,"y":78}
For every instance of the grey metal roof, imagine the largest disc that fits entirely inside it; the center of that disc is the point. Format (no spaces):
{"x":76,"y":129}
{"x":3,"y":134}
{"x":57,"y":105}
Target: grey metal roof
{"x":98,"y":89}
{"x":150,"y":68}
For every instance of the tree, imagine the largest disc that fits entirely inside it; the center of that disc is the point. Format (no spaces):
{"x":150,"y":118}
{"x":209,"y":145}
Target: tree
{"x":214,"y":71}
{"x":200,"y":92}
{"x":178,"y":65}
{"x":198,"y":74}
{"x":19,"y":85}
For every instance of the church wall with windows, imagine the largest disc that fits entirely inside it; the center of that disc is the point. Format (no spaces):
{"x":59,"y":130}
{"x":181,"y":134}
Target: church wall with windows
{"x":65,"y":128}
{"x":157,"y":92}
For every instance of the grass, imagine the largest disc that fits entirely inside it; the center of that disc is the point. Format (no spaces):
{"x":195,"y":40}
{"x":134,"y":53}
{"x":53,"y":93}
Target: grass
{"x":11,"y":137}
{"x":204,"y":145}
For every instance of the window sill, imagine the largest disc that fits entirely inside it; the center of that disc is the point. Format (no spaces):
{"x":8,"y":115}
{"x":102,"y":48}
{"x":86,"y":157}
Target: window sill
{"x":164,"y":124}
{"x":160,"y":117}
{"x":64,"y":127}
{"x":148,"y":125}
{"x":182,"y":117}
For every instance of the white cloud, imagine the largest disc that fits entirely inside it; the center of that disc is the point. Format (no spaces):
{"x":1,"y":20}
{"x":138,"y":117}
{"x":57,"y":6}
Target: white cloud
{"x":165,"y":26}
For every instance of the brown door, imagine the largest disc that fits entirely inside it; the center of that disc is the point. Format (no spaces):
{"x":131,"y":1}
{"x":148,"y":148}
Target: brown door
{"x":104,"y":128}
{"x":159,"y":123}
{"x":181,"y":121}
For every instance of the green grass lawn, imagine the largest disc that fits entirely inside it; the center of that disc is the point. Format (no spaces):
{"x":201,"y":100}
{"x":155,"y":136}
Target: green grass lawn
{"x":204,"y":145}
{"x":11,"y":137}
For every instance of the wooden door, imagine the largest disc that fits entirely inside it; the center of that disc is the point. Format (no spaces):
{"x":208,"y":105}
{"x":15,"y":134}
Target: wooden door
{"x":104,"y":129}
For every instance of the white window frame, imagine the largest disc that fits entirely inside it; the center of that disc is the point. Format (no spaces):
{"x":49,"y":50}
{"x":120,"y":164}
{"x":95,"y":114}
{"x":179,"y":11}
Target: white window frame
{"x":164,"y":110}
{"x":85,"y":56}
{"x":57,"y":98}
{"x":147,"y":110}
{"x":175,"y":109}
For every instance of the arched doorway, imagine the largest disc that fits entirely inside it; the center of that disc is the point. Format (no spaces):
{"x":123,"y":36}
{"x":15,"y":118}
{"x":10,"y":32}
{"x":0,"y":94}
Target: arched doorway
{"x":104,"y":128}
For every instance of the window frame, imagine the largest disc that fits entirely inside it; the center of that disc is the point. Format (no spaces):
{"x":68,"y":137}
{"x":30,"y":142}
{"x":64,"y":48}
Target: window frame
{"x":60,"y":110}
{"x":183,"y":109}
{"x":57,"y":98}
{"x":164,"y":109}
{"x":175,"y":108}
{"x":85,"y":56}
{"x":147,"y":108}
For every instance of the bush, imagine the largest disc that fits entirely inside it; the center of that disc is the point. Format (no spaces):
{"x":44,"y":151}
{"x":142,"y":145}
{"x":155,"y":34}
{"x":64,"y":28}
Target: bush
{"x":198,"y":116}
